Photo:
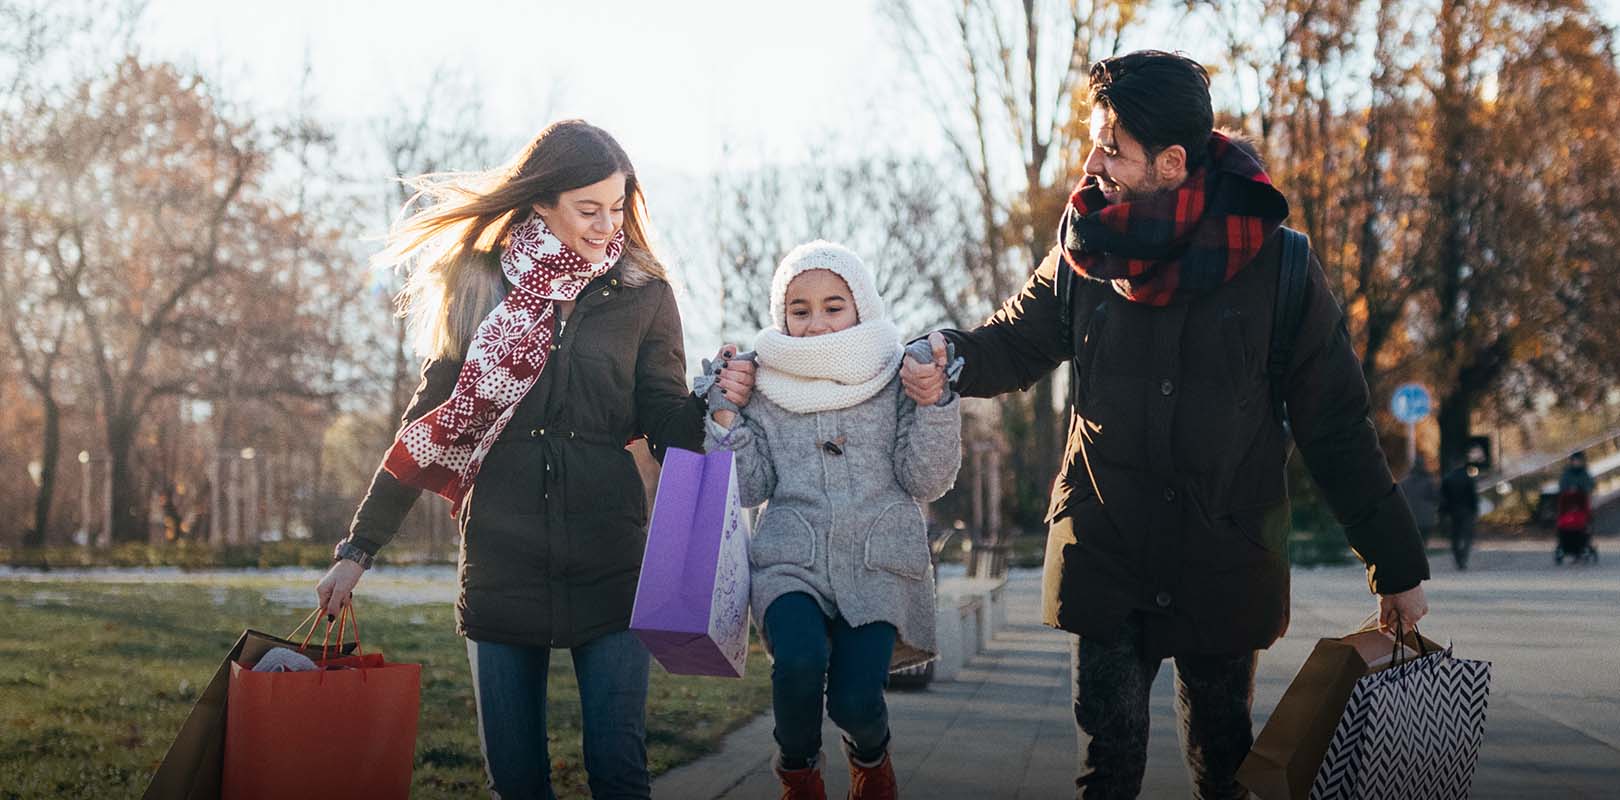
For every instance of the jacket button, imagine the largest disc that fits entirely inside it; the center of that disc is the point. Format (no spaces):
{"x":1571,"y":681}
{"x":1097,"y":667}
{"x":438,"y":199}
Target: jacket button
{"x":606,"y":292}
{"x":613,"y":281}
{"x":1162,"y":599}
{"x":537,"y":432}
{"x":1169,"y":495}
{"x":1166,"y":387}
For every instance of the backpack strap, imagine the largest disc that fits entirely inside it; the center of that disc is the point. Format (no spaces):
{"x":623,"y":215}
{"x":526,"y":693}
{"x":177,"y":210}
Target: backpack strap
{"x":1068,"y":286}
{"x":1065,"y":297}
{"x":1293,"y":274}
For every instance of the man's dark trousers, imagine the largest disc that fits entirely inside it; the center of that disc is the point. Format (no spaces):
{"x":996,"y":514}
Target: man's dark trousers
{"x":1111,"y":689}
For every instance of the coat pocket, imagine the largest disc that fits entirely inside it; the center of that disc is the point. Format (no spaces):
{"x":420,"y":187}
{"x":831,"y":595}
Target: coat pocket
{"x":1267,"y":527}
{"x":783,"y":536}
{"x":898,"y":541}
{"x":1242,"y":378}
{"x":501,"y":551}
{"x":604,"y":481}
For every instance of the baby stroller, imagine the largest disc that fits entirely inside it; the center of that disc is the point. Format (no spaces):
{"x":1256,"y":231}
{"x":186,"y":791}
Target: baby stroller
{"x":1574,"y":535}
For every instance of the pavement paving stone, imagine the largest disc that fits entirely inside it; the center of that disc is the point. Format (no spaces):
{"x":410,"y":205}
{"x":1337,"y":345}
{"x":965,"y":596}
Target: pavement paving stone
{"x":1005,"y":729}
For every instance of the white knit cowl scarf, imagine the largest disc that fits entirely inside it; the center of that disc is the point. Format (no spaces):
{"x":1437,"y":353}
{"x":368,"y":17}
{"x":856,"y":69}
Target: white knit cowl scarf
{"x":806,"y":374}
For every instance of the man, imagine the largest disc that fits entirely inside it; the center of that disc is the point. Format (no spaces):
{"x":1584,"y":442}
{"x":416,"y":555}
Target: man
{"x":1169,"y":517}
{"x":1459,"y":499}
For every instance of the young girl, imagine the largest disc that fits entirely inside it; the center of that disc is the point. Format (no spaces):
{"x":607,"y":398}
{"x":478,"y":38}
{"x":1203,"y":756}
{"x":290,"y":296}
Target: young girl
{"x":842,"y":585}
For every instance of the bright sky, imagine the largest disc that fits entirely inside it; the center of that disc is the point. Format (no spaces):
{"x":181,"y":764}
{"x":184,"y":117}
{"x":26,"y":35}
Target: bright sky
{"x":673,"y":81}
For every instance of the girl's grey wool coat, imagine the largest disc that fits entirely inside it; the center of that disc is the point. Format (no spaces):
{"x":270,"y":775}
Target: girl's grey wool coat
{"x":843,"y":523}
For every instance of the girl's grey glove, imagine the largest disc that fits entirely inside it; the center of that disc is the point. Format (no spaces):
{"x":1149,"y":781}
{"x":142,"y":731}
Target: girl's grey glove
{"x":922,"y":353}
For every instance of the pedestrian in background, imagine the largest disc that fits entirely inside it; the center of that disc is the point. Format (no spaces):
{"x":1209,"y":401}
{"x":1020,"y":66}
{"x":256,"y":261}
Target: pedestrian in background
{"x":1459,"y":501}
{"x":1576,"y":476}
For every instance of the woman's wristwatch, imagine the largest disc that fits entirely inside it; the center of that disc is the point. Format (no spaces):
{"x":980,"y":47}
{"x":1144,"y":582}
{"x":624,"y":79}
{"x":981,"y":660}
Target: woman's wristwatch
{"x":346,"y":550}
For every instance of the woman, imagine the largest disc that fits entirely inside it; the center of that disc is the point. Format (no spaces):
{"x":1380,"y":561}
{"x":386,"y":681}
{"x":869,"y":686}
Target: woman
{"x":551,"y":338}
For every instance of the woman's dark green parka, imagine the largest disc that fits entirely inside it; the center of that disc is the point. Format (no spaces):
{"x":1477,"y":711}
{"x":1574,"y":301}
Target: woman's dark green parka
{"x":553,"y":531}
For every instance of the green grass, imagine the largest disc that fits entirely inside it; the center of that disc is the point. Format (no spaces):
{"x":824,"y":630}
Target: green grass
{"x":192,"y":555}
{"x":95,"y":679}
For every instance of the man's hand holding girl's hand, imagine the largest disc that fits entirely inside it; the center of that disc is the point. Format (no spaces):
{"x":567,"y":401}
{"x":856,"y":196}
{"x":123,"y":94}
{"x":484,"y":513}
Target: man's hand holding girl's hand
{"x":924,"y":379}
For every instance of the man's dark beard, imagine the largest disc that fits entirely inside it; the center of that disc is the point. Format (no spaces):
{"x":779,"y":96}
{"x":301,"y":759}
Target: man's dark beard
{"x":1144,"y":195}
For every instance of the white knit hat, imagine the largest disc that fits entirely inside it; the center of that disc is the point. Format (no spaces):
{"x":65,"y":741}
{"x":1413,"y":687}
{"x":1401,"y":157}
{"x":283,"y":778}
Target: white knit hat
{"x":821,"y":254}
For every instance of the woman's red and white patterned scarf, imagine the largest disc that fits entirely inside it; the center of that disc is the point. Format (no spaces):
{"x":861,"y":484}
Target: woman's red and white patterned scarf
{"x":442,"y":451}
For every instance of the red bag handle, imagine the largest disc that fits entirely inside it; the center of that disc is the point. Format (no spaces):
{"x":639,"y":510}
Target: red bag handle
{"x":344,"y":617}
{"x":309,"y":620}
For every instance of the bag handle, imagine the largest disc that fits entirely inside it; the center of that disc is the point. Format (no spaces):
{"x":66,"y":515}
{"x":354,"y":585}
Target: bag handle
{"x":345,"y":617}
{"x":1423,"y":647}
{"x":1371,"y":623}
{"x":309,"y":620}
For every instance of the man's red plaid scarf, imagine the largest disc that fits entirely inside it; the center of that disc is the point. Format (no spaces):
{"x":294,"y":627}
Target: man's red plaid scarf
{"x":1187,"y":240}
{"x":442,"y":451}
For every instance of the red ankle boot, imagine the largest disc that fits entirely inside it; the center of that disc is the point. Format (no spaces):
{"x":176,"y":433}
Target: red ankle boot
{"x":802,"y":784}
{"x":872,"y":781}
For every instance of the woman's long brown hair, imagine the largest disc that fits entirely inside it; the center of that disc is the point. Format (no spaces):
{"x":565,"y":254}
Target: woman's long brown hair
{"x":449,"y":242}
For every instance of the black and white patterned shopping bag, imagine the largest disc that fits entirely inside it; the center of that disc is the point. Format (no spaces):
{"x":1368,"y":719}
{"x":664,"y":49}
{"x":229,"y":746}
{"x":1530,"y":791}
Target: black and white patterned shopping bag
{"x":1410,"y":732}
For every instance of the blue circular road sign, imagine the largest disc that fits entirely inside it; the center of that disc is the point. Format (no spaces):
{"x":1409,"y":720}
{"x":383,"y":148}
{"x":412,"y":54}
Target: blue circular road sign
{"x":1410,"y":403}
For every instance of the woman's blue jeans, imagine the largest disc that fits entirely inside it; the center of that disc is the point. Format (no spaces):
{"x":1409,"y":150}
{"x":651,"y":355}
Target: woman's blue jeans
{"x":816,"y":659}
{"x":509,"y":684}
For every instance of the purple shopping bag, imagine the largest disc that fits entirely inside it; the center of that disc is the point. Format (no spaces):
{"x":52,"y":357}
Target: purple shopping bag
{"x":692,"y":602}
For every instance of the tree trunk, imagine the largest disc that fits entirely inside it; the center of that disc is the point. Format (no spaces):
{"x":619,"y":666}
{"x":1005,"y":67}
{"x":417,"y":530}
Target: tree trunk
{"x":128,"y":510}
{"x":1455,"y":410}
{"x":49,"y":457}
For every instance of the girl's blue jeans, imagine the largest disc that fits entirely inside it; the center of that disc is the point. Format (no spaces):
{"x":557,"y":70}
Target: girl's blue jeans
{"x":824,"y":659}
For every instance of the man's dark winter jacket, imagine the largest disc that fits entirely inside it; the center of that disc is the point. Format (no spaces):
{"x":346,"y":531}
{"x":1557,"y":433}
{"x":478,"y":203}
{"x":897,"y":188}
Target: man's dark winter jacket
{"x":553,"y":532}
{"x":1171,"y":499}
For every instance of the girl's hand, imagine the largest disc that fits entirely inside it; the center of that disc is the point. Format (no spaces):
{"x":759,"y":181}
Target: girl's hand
{"x":725,"y":417}
{"x":336,"y":590}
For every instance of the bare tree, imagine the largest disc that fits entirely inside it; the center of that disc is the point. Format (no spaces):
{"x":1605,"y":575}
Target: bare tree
{"x":1523,"y":233}
{"x":1333,"y":101}
{"x":1004,"y":79}
{"x":435,"y":130}
{"x":896,"y":213}
{"x":41,"y":46}
{"x":159,"y":233}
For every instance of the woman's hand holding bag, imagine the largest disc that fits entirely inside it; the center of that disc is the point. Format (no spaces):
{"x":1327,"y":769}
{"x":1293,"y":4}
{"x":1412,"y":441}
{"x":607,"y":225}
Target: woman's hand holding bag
{"x":336,"y":589}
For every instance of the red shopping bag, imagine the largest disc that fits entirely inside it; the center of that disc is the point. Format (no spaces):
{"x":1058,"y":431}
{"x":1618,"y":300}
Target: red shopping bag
{"x":346,"y":730}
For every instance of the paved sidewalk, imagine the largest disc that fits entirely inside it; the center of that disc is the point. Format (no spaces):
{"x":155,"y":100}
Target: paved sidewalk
{"x":1005,"y":729}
